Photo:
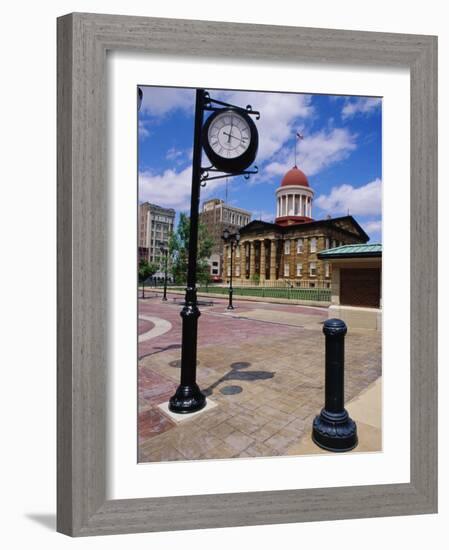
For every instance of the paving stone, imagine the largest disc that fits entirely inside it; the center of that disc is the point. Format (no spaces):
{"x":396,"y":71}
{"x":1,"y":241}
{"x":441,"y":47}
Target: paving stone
{"x":260,"y":449}
{"x":271,"y":412}
{"x":283,"y":439}
{"x":152,"y":423}
{"x":238,"y":440}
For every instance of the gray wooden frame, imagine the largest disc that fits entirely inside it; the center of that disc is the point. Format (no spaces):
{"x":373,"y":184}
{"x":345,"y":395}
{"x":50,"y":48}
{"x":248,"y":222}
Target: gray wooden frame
{"x":83,"y":40}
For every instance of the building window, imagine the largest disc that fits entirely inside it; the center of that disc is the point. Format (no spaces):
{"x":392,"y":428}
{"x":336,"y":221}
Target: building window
{"x":313,"y":244}
{"x":214,"y":271}
{"x":298,"y":270}
{"x":326,"y":270}
{"x":229,"y":270}
{"x":229,"y":251}
{"x":237,"y":271}
{"x":299,"y":246}
{"x":287,"y":247}
{"x":286,"y":270}
{"x":312,"y":269}
{"x":328,"y":243}
{"x":334,"y":243}
{"x":237,"y":252}
{"x":215,"y":264}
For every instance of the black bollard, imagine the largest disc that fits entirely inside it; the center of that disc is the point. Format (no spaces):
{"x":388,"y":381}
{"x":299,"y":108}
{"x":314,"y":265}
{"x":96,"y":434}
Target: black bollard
{"x":333,"y":429}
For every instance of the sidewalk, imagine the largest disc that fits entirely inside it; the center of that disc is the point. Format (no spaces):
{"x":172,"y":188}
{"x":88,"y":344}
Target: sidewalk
{"x":262,"y":365}
{"x":365,"y":410}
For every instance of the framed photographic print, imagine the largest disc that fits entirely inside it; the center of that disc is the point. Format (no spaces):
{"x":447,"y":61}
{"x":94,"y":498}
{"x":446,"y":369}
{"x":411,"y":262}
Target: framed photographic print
{"x":247,"y":274}
{"x":267,"y":249}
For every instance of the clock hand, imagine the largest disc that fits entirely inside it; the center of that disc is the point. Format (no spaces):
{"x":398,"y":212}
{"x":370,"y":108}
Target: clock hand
{"x":235,"y":137}
{"x":230,"y":131}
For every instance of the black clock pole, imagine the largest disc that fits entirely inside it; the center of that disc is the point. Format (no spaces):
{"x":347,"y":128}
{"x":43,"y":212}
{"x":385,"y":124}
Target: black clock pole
{"x":188,"y":397}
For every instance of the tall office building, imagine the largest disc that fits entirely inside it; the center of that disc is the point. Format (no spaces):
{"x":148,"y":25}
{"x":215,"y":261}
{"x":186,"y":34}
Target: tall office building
{"x":217,"y":216}
{"x":155,"y":226}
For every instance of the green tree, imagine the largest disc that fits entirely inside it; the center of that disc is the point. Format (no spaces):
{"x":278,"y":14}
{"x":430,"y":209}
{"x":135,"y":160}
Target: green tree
{"x":145,"y":270}
{"x":179,"y":251}
{"x":256,"y":279}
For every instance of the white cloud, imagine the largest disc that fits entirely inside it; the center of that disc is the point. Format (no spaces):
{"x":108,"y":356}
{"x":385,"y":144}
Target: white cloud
{"x":179,"y":157}
{"x":372,"y":226}
{"x":316,"y":152}
{"x":173,"y":153}
{"x":360,"y":201}
{"x":171,"y":189}
{"x":279,"y":118}
{"x":143,"y":131}
{"x":262,"y":215}
{"x":158,"y":101}
{"x":363,"y":105}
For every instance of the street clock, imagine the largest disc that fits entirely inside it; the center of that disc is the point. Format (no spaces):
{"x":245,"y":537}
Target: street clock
{"x":230,"y":140}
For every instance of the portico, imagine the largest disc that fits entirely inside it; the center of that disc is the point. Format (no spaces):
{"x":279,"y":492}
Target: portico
{"x":288,"y":249}
{"x":257,"y":260}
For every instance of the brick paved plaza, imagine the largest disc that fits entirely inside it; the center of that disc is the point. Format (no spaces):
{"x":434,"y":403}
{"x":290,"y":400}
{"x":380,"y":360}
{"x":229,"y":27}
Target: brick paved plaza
{"x":262,"y":367}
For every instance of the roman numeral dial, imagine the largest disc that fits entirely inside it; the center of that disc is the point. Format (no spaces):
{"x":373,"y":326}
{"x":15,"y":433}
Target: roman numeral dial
{"x":230,"y":140}
{"x":228,"y":135}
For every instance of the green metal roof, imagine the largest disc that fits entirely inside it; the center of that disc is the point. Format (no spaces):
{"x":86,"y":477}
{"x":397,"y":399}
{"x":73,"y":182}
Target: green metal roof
{"x":352,"y":251}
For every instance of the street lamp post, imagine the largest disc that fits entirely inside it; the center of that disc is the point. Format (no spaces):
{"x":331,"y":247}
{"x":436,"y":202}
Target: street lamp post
{"x":164,"y":251}
{"x":188,"y":397}
{"x":232,"y":240}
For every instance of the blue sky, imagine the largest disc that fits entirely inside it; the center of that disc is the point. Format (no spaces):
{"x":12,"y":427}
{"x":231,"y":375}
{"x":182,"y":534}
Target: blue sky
{"x":341,"y":152}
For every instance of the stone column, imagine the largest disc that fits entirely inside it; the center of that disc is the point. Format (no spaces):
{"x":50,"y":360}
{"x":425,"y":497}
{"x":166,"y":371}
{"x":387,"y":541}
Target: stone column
{"x":273,"y":260}
{"x":224,"y":267}
{"x":252,"y":260}
{"x":242,"y":261}
{"x":262,"y":260}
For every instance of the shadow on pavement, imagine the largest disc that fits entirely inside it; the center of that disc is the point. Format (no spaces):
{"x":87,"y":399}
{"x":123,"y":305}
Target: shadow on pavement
{"x":236,"y":374}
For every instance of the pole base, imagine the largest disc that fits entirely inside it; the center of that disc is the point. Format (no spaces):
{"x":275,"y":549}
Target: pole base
{"x":230,"y":307}
{"x":164,"y":299}
{"x":187,"y":399}
{"x":335,"y":432}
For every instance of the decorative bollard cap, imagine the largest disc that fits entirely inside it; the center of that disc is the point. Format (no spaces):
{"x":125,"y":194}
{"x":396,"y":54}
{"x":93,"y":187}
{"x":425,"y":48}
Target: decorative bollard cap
{"x":335,"y":327}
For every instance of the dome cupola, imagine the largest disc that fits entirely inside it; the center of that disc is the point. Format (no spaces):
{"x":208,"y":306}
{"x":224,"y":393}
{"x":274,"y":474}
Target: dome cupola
{"x":294,"y":198}
{"x":295,"y":176}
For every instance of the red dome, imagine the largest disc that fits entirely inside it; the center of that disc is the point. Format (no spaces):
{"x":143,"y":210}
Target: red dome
{"x":295,"y":177}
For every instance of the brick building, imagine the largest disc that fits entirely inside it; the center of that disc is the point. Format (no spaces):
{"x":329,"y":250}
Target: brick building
{"x":155,"y":227}
{"x":287,"y":250}
{"x":217,"y":216}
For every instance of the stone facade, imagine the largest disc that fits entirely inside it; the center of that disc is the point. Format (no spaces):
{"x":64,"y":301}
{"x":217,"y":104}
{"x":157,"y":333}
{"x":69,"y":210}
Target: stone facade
{"x":155,"y":227}
{"x":269,"y":252}
{"x":217,"y":216}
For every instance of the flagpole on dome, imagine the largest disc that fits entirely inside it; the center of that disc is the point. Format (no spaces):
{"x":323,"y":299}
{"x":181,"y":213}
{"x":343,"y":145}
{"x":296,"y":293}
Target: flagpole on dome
{"x":298,"y":137}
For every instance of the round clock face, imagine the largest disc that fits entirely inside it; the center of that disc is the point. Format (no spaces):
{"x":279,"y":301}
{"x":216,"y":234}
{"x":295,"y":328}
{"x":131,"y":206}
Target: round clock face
{"x":230,"y":140}
{"x":229,"y":135}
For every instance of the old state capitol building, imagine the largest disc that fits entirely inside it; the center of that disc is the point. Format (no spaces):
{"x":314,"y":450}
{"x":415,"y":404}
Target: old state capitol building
{"x":287,"y":250}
